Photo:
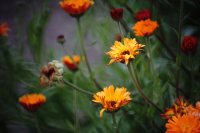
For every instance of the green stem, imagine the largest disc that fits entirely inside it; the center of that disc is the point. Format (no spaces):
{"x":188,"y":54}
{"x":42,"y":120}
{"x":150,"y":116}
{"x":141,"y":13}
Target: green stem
{"x":149,"y":55}
{"x":115,"y":123}
{"x":134,"y":77}
{"x":37,"y":124}
{"x":85,"y":55}
{"x":120,"y":29}
{"x":77,"y":88}
{"x":75,"y":112}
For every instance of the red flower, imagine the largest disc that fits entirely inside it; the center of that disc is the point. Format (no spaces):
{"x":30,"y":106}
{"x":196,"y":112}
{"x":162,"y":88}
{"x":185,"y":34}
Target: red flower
{"x":4,"y":28}
{"x":189,"y":44}
{"x":118,"y":37}
{"x":116,"y":14}
{"x":143,"y":14}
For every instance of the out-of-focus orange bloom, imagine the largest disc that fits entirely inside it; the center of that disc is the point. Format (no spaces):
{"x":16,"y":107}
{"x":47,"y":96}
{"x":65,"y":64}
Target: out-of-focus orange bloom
{"x":183,"y":124}
{"x":4,"y":28}
{"x":145,"y":27}
{"x":76,"y":7}
{"x":178,"y":108}
{"x":112,"y":100}
{"x":32,"y":102}
{"x":71,"y":63}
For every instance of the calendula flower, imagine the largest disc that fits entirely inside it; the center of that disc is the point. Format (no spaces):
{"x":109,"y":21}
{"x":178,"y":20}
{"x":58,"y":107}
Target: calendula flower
{"x":112,"y":100}
{"x":124,"y":52}
{"x":195,"y":111}
{"x":4,"y":28}
{"x":143,"y":14}
{"x":189,"y":44}
{"x":32,"y":102}
{"x":71,"y":63}
{"x":183,"y":124}
{"x":116,"y":14}
{"x":51,"y":72}
{"x":145,"y":27}
{"x":178,"y":108}
{"x":76,"y":7}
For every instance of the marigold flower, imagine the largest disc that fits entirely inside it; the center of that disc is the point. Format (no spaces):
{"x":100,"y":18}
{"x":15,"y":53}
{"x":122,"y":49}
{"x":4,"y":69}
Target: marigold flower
{"x":124,"y":52}
{"x":195,"y":111}
{"x":76,"y":7}
{"x":143,"y":14}
{"x":112,"y":100}
{"x":61,"y":39}
{"x":4,"y":28}
{"x":71,"y":63}
{"x":178,"y":108}
{"x":183,"y":124}
{"x":116,"y":14}
{"x":189,"y":44}
{"x":145,"y":27}
{"x":32,"y":102}
{"x":51,"y":72}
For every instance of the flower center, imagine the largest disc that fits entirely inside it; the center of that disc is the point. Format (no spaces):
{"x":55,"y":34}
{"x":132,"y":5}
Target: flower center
{"x":125,"y":52}
{"x":112,"y":103}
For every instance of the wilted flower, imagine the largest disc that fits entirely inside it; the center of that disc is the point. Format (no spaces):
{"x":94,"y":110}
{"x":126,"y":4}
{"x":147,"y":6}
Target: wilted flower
{"x":112,"y":100}
{"x":178,"y":108}
{"x":143,"y":14}
{"x":51,"y":72}
{"x":116,"y":14}
{"x":145,"y":27}
{"x":4,"y":28}
{"x":124,"y":52}
{"x":32,"y":102}
{"x":71,"y":63}
{"x":183,"y":124}
{"x":61,"y":39}
{"x":76,"y":7}
{"x":189,"y":44}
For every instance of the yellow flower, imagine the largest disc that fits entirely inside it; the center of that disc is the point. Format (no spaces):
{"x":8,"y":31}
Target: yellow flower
{"x":71,"y":63}
{"x":112,"y":100}
{"x":183,"y":124}
{"x":178,"y":108}
{"x":76,"y":7}
{"x":126,"y":52}
{"x":145,"y":27}
{"x":32,"y":102}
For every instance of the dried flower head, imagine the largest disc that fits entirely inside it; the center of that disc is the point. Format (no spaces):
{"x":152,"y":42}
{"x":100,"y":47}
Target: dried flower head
{"x":112,"y":100}
{"x":124,"y":52}
{"x":32,"y":102}
{"x":71,"y":63}
{"x":145,"y":27}
{"x":116,"y":14}
{"x":76,"y":8}
{"x":189,"y":44}
{"x":51,"y":72}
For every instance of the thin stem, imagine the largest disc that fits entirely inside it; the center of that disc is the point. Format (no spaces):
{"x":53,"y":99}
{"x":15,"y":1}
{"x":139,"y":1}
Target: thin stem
{"x":37,"y":125}
{"x":115,"y":123}
{"x":120,"y":29}
{"x":77,"y":88}
{"x":134,"y":77}
{"x":75,"y":112}
{"x":149,"y":55}
{"x":85,"y":55}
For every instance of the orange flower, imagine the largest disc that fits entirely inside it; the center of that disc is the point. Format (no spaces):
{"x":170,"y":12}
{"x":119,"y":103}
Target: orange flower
{"x":4,"y":28}
{"x":112,"y":100}
{"x":71,"y":63}
{"x":183,"y":124}
{"x":76,"y":7}
{"x":194,"y":110}
{"x":145,"y":27}
{"x":178,"y":108}
{"x":124,"y":52}
{"x":32,"y":102}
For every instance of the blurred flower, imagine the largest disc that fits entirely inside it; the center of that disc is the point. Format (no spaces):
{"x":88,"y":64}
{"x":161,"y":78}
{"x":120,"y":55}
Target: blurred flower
{"x":116,"y":14}
{"x":51,"y":72}
{"x":32,"y":102}
{"x":195,"y":111}
{"x":189,"y":44}
{"x":4,"y":28}
{"x":118,"y":37}
{"x":124,"y":52}
{"x":71,"y":63}
{"x":178,"y":108}
{"x":112,"y":100}
{"x":183,"y":124}
{"x":76,"y":7}
{"x":61,"y":39}
{"x":145,"y":27}
{"x":143,"y":14}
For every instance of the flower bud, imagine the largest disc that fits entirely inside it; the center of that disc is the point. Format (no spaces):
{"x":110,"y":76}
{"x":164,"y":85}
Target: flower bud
{"x":116,"y":14}
{"x":189,"y":45}
{"x":143,"y":14}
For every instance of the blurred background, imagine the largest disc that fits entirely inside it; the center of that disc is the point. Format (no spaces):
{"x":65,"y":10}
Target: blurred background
{"x":32,"y":43}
